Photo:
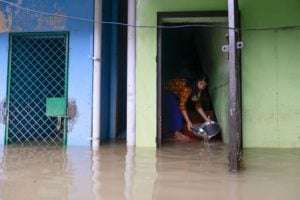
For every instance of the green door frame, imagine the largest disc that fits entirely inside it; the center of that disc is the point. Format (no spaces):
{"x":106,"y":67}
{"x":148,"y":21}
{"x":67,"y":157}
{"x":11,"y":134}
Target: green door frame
{"x":234,"y":96}
{"x":66,"y":36}
{"x":160,"y":17}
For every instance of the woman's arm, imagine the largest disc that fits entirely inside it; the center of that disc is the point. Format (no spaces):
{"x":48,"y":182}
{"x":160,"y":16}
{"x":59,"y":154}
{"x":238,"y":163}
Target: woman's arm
{"x":202,"y":113}
{"x":183,"y":98}
{"x":186,"y":117}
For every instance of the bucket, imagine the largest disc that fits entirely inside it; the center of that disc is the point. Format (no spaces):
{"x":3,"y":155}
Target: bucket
{"x":209,"y":129}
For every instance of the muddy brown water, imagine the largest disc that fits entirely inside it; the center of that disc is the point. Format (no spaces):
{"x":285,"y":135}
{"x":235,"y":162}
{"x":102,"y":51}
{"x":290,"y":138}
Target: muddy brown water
{"x":185,"y":171}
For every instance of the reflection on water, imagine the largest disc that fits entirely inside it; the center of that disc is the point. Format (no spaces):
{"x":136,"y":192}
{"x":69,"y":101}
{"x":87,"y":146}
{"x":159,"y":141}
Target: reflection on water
{"x":186,"y":171}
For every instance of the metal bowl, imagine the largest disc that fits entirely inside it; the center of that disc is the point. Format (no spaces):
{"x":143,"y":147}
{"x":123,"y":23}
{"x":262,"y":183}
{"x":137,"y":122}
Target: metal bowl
{"x":209,"y":129}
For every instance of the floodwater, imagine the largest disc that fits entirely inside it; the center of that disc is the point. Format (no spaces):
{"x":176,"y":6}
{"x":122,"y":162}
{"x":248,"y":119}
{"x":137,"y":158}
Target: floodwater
{"x":186,"y":171}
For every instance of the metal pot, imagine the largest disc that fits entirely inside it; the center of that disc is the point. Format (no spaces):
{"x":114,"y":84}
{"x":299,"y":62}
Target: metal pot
{"x":209,"y":129}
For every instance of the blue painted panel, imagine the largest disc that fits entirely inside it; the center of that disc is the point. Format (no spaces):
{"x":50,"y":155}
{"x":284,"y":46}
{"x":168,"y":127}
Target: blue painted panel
{"x":81,"y":50}
{"x":106,"y":63}
{"x":3,"y":77}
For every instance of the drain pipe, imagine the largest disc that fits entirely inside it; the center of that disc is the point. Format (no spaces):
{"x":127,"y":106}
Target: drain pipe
{"x":131,"y":70}
{"x":97,"y":74}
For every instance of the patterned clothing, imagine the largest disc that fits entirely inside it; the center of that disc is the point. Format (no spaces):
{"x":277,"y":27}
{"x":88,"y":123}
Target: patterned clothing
{"x":180,"y":88}
{"x":175,"y":99}
{"x":172,"y":119}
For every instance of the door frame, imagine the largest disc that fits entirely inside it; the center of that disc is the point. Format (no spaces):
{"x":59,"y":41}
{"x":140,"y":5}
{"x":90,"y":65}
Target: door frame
{"x":66,"y":36}
{"x":235,"y":137}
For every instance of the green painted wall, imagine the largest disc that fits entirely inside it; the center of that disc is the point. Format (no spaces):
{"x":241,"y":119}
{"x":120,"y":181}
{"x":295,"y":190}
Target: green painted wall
{"x":270,"y":70}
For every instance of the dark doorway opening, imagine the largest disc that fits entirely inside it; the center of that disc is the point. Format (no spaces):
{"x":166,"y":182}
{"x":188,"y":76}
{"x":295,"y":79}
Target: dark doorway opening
{"x":122,"y":74}
{"x":195,"y":50}
{"x":114,"y":73}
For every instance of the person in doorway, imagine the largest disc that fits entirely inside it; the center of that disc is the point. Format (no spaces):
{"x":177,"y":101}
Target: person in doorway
{"x":177,"y":93}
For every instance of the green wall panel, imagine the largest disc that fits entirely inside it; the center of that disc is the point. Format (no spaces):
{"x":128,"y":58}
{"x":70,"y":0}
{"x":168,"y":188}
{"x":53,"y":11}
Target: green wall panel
{"x":146,"y":59}
{"x":270,"y":70}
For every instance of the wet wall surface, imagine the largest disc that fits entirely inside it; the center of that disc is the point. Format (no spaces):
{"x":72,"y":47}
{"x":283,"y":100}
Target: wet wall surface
{"x":177,"y":171}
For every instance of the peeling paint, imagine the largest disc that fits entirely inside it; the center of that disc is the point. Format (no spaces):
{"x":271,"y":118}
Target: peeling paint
{"x":16,"y":19}
{"x":55,"y":22}
{"x":72,"y":113}
{"x":2,"y":112}
{"x":2,"y":22}
{"x":5,"y":21}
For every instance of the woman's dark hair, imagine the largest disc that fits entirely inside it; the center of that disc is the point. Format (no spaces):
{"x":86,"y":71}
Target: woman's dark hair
{"x":193,"y":81}
{"x":196,"y":93}
{"x":192,"y":78}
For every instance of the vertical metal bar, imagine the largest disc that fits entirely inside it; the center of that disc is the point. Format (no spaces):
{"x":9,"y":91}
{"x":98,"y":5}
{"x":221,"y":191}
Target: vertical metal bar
{"x":234,"y":90}
{"x":131,"y":75}
{"x":97,"y":74}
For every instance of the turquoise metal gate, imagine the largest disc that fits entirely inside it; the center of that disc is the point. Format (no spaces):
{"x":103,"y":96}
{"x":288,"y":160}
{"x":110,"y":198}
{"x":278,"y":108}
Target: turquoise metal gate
{"x":37,"y":89}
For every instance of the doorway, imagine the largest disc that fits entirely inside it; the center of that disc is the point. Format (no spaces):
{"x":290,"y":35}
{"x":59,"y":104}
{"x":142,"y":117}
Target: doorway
{"x":114,"y":73}
{"x":193,"y":44}
{"x":37,"y":89}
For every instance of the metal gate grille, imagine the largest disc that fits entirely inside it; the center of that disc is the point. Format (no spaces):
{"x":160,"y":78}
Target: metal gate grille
{"x":37,"y":71}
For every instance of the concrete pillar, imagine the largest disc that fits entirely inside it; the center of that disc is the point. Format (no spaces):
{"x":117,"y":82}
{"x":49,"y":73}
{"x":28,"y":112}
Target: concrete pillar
{"x":131,"y":75}
{"x":97,"y":74}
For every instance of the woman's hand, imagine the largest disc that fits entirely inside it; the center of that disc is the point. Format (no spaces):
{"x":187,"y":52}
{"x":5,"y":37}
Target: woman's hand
{"x":203,"y":114}
{"x":189,"y":125}
{"x":207,"y":119}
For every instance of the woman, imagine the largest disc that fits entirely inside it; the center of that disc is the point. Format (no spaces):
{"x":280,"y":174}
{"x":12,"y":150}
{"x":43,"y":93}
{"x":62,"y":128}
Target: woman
{"x":177,"y":93}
